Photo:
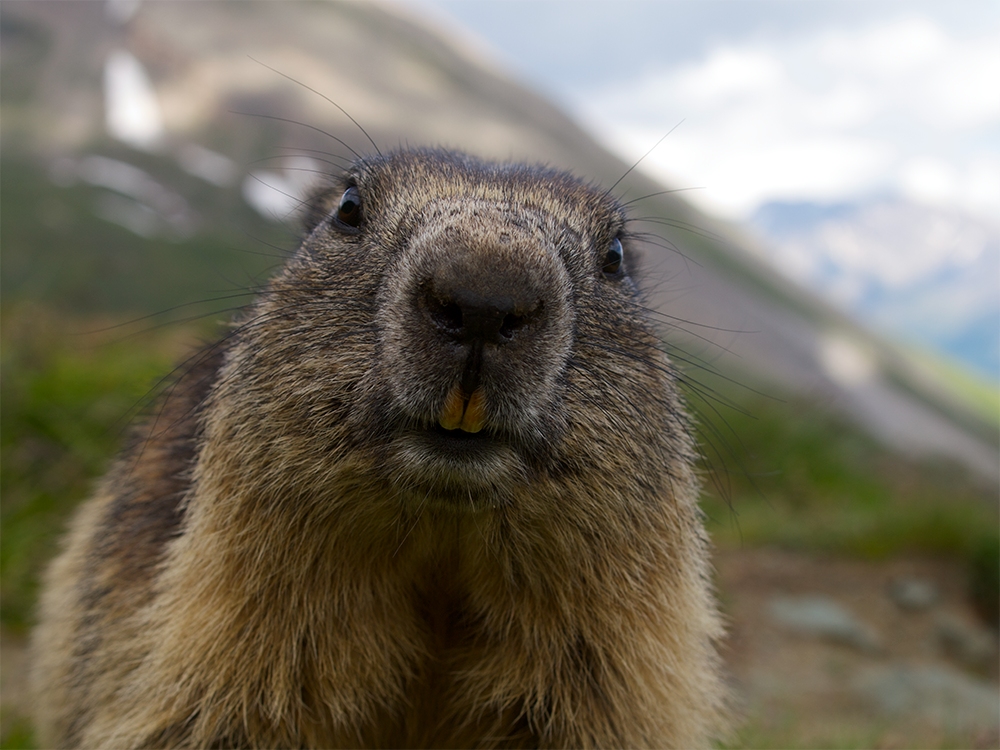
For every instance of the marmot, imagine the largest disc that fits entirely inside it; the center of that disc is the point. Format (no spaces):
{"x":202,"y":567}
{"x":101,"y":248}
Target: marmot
{"x":436,"y":488}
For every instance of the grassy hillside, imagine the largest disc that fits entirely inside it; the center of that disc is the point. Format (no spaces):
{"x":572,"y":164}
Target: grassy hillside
{"x":58,"y":251}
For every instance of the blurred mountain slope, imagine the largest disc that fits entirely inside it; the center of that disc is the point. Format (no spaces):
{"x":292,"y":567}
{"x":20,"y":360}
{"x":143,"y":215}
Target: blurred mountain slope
{"x":76,"y":236}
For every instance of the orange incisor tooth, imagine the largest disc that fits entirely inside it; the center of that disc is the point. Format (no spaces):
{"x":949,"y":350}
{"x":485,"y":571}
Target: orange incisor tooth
{"x":475,"y":412}
{"x":461,"y":413}
{"x":453,"y":411}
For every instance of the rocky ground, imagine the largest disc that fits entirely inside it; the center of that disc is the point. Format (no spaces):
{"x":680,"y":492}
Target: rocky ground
{"x":823,"y":652}
{"x":845,"y":653}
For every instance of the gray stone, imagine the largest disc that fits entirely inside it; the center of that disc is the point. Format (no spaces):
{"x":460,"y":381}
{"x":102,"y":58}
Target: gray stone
{"x":913,"y":593}
{"x":942,"y":696}
{"x":823,"y":618}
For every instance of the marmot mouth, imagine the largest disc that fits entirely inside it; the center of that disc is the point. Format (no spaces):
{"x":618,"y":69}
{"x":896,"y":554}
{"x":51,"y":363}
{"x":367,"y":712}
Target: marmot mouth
{"x":456,"y":438}
{"x":454,"y":464}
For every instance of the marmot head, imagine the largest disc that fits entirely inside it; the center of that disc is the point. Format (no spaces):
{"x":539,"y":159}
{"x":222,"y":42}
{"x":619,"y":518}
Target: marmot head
{"x":457,"y":330}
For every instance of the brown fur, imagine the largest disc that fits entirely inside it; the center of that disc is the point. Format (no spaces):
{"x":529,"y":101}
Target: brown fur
{"x":292,"y":556}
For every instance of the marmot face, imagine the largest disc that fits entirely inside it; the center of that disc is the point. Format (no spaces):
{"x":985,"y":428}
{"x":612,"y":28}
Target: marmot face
{"x":436,"y":489}
{"x":465,"y":282}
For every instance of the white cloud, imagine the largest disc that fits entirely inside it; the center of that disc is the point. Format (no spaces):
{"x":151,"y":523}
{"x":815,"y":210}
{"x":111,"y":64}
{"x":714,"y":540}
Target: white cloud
{"x":983,"y":184}
{"x":895,"y":107}
{"x":928,"y":179}
{"x":885,"y":50}
{"x":728,"y":75}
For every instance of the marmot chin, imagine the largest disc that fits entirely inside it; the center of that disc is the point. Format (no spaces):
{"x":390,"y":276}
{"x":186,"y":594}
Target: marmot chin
{"x":435,"y":488}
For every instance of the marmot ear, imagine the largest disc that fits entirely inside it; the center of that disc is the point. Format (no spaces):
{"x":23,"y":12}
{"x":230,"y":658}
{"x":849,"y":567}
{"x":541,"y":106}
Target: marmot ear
{"x":318,"y":205}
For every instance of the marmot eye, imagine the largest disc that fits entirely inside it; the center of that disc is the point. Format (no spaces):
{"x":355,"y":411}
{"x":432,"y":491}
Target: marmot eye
{"x":613,"y":260}
{"x":349,"y":210}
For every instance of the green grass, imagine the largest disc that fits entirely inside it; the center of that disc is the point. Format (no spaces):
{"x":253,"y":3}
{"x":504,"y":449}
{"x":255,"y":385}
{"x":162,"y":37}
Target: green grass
{"x":791,"y":475}
{"x":17,"y":733}
{"x":800,"y":477}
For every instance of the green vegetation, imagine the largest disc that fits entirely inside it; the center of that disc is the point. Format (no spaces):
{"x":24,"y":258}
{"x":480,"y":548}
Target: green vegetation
{"x":17,"y":733}
{"x":789,"y":474}
{"x":58,"y":251}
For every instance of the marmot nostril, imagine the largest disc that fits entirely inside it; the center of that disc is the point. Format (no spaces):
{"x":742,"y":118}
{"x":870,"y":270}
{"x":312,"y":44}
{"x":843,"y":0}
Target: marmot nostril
{"x":511,"y":323}
{"x":488,"y":316}
{"x":445,"y":314}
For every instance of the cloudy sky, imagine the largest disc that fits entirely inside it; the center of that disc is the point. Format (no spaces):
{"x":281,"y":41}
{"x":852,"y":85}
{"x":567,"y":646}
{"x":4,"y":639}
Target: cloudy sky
{"x":790,"y":100}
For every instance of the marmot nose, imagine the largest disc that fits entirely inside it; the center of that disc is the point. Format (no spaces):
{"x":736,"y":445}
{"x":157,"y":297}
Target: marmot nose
{"x":491,"y":315}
